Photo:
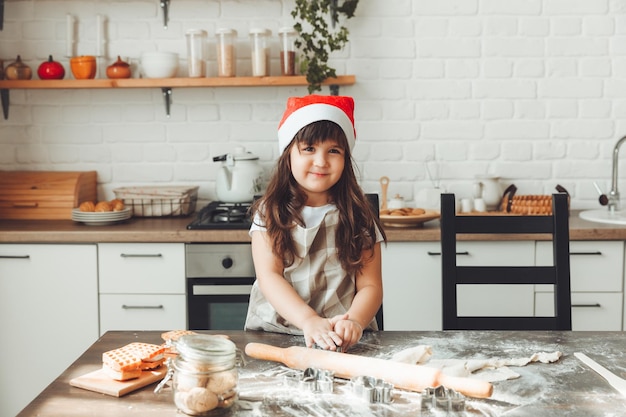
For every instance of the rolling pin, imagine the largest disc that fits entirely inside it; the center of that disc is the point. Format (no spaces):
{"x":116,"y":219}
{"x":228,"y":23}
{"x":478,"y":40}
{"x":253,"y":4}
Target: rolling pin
{"x":345,"y":365}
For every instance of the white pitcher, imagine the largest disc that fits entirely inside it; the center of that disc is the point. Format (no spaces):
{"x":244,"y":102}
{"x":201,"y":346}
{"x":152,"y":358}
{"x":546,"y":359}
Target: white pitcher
{"x":488,"y":188}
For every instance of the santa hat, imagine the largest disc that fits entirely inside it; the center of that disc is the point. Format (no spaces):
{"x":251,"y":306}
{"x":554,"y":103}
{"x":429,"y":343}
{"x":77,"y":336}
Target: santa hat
{"x":302,"y":111}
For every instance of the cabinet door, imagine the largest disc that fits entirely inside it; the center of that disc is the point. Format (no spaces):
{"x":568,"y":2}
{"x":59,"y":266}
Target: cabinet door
{"x":496,"y":300}
{"x":597,"y":284}
{"x":590,"y":311}
{"x":142,"y":312}
{"x":412,"y":286}
{"x":49,"y":301}
{"x":142,"y":268}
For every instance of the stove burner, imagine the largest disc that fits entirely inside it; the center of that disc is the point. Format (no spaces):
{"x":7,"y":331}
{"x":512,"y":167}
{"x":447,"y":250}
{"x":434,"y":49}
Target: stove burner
{"x":220,"y":215}
{"x":230,"y":214}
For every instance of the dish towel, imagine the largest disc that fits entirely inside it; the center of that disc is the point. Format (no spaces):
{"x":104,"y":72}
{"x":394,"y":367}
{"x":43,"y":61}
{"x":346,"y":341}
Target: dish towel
{"x":490,"y":370}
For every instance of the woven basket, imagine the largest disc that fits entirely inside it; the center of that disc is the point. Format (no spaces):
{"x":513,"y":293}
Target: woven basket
{"x":528,"y":204}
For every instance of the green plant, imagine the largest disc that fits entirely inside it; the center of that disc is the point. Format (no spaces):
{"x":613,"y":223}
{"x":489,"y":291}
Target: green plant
{"x":316,"y":40}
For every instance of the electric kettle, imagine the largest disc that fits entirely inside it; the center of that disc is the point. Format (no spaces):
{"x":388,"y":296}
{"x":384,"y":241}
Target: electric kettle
{"x":240,"y":177}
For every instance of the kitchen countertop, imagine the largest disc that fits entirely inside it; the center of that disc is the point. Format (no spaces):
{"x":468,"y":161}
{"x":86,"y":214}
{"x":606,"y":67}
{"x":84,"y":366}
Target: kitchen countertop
{"x":563,"y":388}
{"x":173,"y":230}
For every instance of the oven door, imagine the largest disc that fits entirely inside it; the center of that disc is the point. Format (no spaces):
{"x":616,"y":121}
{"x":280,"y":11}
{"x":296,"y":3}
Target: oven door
{"x":217,"y":303}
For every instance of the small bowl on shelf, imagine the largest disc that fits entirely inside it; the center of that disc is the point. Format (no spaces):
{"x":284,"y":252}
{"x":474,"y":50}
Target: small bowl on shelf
{"x":159,"y":64}
{"x":83,"y":67}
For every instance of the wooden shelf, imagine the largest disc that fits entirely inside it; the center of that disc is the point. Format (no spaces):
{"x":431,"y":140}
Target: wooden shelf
{"x":297,"y":80}
{"x":165,"y":84}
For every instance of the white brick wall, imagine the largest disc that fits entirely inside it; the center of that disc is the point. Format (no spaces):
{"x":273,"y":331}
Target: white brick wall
{"x":531,"y":90}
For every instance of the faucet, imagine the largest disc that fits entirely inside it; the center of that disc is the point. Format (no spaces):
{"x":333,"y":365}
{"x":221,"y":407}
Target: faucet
{"x":613,"y":197}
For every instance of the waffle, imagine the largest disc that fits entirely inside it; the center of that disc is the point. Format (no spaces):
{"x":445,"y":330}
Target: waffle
{"x":133,"y":356}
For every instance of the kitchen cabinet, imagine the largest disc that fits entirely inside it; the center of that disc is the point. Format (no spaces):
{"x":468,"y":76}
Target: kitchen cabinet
{"x":142,"y":286}
{"x":48,"y":315}
{"x":412,"y":283}
{"x":411,"y":286}
{"x":597,"y":282}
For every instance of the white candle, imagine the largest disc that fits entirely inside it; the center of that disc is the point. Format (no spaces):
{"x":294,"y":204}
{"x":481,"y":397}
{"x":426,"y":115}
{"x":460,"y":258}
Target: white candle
{"x":99,"y":34}
{"x":69,"y":39}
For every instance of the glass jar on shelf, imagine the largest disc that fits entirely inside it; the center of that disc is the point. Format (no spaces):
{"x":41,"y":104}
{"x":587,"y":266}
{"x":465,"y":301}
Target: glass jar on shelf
{"x":226,"y":52}
{"x":196,"y":57}
{"x":287,"y":36}
{"x":260,"y":51}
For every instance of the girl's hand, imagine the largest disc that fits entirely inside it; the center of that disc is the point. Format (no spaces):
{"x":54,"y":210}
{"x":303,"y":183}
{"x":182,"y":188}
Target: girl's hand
{"x":319,"y":331}
{"x":350,"y":332}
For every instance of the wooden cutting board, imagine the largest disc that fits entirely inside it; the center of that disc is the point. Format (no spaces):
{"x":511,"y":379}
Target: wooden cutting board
{"x":98,"y":381}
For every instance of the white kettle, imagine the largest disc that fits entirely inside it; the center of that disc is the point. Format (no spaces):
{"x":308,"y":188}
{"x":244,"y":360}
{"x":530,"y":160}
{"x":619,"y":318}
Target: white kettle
{"x":240,"y":177}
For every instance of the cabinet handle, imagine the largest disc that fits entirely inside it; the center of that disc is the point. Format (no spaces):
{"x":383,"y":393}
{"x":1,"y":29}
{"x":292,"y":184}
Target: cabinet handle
{"x":141,"y":255}
{"x":439,"y":253}
{"x":586,"y":253}
{"x":14,"y":256}
{"x":596,"y":305}
{"x":159,"y":307}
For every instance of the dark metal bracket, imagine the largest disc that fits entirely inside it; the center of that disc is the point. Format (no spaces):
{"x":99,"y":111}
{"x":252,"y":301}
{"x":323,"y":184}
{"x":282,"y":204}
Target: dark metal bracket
{"x":165,"y":6}
{"x":167,"y":95}
{"x":4,"y":97}
{"x":334,"y":89}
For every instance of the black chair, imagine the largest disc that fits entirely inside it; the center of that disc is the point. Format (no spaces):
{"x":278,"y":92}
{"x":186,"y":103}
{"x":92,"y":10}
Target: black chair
{"x":373,"y":200}
{"x":558,"y":275}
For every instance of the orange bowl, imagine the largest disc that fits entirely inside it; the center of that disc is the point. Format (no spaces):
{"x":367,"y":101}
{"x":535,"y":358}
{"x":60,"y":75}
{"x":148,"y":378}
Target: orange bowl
{"x":83,"y":67}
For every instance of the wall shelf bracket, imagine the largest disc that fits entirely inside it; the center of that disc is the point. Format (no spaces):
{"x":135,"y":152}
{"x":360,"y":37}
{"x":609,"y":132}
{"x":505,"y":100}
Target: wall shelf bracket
{"x":4,"y":97}
{"x":167,"y":95}
{"x":165,"y":6}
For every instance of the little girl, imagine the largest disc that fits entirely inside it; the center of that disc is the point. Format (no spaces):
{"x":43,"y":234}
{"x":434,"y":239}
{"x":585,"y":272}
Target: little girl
{"x":315,"y":236}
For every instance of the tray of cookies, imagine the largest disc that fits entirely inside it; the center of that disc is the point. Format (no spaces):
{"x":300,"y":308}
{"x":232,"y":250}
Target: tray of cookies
{"x":407,"y":217}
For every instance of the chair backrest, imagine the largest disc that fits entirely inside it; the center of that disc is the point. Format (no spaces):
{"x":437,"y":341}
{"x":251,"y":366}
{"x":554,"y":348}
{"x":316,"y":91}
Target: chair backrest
{"x":373,"y":200}
{"x":556,"y":225}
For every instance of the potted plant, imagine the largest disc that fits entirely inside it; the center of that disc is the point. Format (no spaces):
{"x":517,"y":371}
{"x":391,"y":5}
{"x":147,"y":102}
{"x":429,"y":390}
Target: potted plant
{"x":316,"y":39}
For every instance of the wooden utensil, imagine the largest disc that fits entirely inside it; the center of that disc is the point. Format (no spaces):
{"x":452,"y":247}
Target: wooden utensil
{"x":384,"y":184}
{"x":100,"y":382}
{"x":345,"y":365}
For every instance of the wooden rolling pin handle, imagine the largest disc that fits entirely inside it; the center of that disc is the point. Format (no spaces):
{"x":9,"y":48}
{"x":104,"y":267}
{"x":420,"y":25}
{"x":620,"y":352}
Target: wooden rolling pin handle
{"x":401,"y":375}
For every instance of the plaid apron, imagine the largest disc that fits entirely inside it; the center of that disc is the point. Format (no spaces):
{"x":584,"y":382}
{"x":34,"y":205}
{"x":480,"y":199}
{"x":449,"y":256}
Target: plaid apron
{"x":316,"y":275}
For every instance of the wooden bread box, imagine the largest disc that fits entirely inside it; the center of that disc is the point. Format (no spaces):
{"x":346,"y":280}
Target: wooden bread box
{"x":44,"y":195}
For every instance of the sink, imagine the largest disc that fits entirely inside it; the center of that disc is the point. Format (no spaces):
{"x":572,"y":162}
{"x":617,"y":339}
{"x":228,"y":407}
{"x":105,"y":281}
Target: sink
{"x":604,"y":216}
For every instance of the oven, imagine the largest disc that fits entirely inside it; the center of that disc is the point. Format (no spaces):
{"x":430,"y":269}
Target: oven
{"x":219,"y":279}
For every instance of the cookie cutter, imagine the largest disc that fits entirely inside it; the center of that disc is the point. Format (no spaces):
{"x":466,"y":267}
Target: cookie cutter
{"x":372,"y":390}
{"x":311,"y":380}
{"x":442,"y":398}
{"x":337,"y":348}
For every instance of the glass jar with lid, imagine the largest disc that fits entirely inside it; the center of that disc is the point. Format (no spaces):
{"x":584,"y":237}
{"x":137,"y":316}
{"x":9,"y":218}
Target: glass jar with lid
{"x":226,"y":52}
{"x":259,"y":45}
{"x":205,"y":375}
{"x":287,"y":36}
{"x":196,"y":57}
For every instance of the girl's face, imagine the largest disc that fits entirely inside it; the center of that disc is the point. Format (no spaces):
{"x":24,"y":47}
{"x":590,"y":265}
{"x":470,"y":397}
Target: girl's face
{"x":316,"y":168}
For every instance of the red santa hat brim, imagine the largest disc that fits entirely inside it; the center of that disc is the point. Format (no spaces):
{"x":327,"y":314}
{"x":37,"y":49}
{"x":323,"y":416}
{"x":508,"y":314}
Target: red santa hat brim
{"x":302,"y":111}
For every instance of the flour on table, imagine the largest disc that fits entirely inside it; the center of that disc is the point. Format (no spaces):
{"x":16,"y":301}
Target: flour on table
{"x":490,"y":370}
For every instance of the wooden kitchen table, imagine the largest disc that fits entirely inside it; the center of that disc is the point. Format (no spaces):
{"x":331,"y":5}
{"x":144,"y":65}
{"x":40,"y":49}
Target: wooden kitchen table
{"x":563,"y":388}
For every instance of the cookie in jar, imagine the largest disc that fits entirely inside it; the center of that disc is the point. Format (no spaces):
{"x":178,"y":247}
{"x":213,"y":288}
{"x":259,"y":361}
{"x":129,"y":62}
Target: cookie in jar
{"x":205,"y":374}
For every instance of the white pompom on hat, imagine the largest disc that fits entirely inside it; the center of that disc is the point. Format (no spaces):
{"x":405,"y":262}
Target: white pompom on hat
{"x":302,"y":111}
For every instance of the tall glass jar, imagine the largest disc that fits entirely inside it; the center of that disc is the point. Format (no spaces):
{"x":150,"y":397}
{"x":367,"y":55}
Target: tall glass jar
{"x":260,"y":51}
{"x":205,"y":375}
{"x":226,"y":56}
{"x":287,"y":36}
{"x":196,"y":57}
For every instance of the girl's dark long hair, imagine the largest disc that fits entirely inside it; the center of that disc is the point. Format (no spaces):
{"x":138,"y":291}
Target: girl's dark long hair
{"x":283,"y":200}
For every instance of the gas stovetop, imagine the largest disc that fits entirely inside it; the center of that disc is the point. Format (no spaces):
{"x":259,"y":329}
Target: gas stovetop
{"x":220,"y":215}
